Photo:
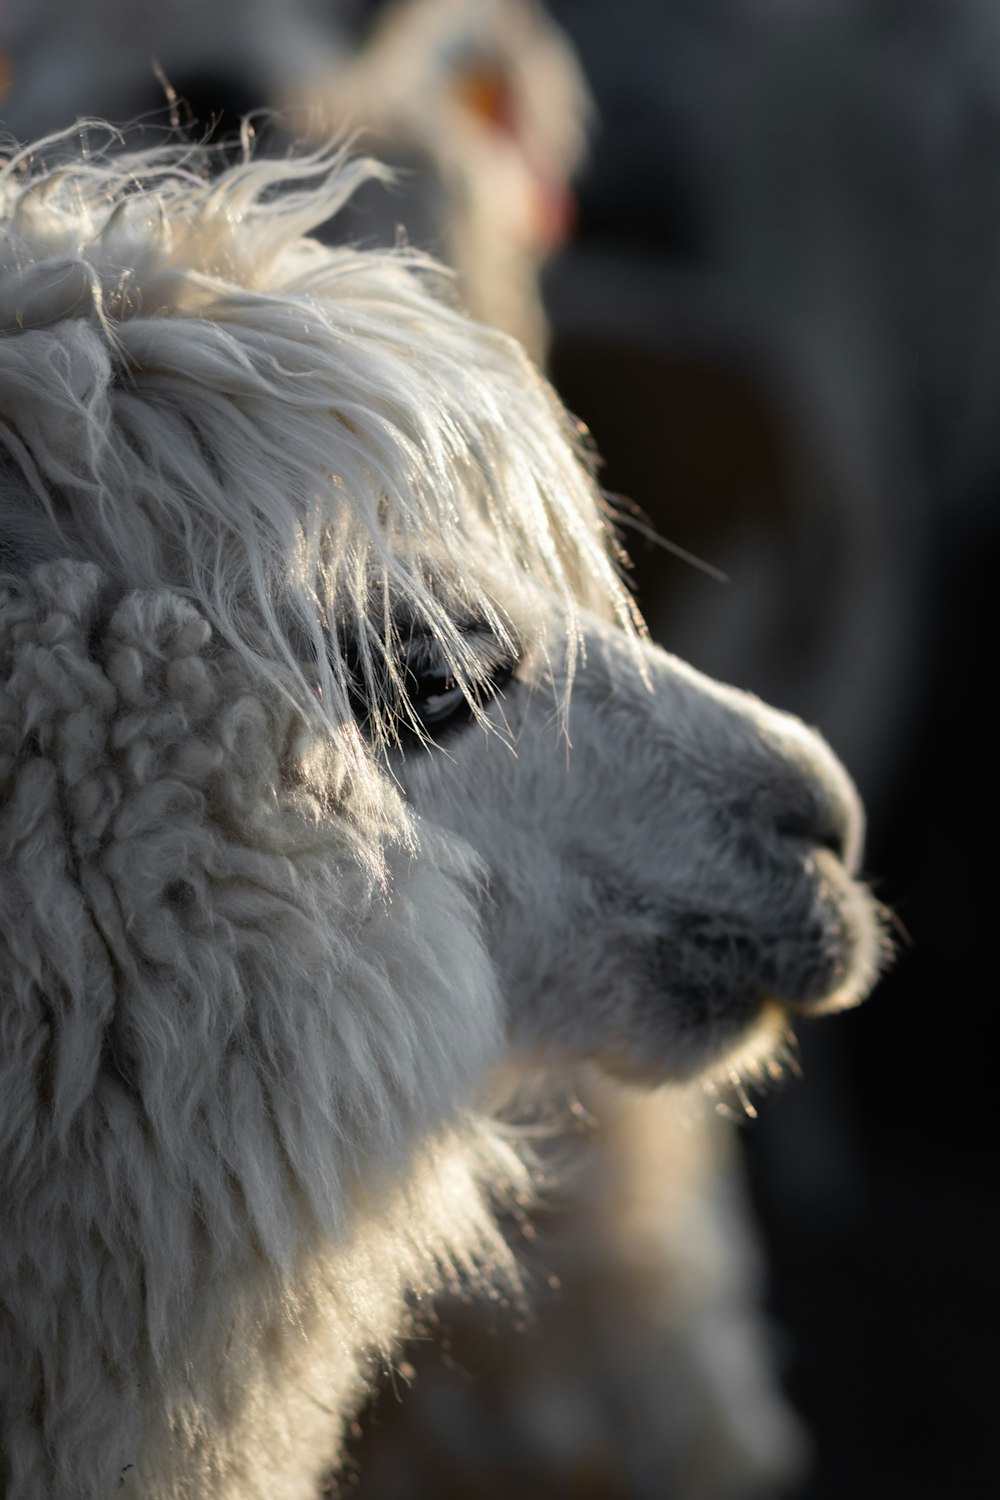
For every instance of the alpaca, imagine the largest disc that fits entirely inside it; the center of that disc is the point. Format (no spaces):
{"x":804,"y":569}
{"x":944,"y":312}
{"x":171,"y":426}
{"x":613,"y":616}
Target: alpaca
{"x":340,"y":791}
{"x":481,"y":103}
{"x":484,"y":107}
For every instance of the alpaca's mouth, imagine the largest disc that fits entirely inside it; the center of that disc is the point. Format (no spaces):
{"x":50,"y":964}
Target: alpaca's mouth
{"x":823,"y":952}
{"x":709,"y":979}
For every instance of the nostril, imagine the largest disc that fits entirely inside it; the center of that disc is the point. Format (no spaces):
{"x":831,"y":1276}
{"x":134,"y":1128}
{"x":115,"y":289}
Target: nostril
{"x":806,"y":795}
{"x":808,"y":815}
{"x":827,"y":826}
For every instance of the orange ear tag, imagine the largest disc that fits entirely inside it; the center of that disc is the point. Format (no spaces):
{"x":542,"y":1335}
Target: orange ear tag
{"x":485,"y":93}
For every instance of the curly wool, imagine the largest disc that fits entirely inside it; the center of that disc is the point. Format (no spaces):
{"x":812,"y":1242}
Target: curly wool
{"x":191,"y":939}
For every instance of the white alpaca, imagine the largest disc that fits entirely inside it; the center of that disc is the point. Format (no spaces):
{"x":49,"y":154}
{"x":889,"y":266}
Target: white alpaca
{"x":334,"y":773}
{"x":481,"y":102}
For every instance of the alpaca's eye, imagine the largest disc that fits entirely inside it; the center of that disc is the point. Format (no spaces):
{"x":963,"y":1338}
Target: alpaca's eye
{"x":436,"y":699}
{"x":426,"y":700}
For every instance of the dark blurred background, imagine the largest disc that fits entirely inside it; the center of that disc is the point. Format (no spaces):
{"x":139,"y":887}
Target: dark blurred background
{"x":795,"y":212}
{"x":773,"y":295}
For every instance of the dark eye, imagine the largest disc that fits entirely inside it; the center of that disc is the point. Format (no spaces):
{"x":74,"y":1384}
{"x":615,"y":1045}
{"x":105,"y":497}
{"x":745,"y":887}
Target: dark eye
{"x":436,"y":700}
{"x":424,"y":700}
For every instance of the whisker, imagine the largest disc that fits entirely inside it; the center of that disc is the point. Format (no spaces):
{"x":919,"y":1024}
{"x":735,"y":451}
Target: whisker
{"x":674,"y":548}
{"x":897,"y":924}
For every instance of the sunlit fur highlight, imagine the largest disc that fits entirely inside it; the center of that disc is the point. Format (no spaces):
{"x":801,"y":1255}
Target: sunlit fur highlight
{"x":202,"y":323}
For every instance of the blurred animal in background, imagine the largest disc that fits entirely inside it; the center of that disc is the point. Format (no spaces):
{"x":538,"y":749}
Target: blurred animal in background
{"x":480,"y":104}
{"x":484,"y":109}
{"x":306,"y":594}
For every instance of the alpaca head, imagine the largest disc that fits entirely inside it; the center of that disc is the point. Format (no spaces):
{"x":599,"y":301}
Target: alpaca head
{"x":333,"y":765}
{"x":379,"y":508}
